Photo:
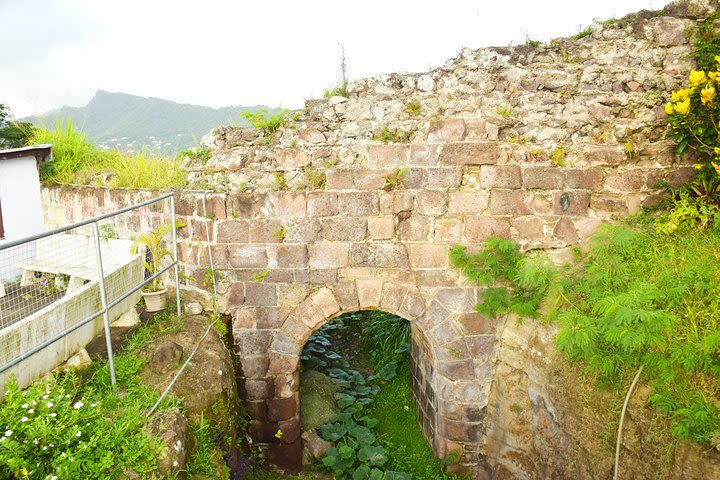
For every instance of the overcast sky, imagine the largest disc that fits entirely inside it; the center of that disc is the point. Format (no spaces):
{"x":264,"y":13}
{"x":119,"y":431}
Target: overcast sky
{"x":276,"y":53}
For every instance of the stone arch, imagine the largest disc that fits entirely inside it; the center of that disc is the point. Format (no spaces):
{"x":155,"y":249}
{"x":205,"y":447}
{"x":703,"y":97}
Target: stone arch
{"x":446,"y":385}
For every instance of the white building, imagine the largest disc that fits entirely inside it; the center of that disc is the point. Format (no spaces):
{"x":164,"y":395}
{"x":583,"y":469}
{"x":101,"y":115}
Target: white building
{"x":21,"y":211}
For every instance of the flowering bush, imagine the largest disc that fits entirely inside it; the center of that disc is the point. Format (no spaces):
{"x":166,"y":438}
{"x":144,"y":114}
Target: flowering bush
{"x":63,"y":429}
{"x":694,"y":114}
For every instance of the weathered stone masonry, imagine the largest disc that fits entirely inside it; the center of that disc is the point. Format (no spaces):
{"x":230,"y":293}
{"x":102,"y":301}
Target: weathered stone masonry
{"x":536,"y":144}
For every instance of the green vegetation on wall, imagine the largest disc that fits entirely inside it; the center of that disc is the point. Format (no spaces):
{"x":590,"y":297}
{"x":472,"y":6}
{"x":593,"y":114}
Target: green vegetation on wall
{"x":77,"y":161}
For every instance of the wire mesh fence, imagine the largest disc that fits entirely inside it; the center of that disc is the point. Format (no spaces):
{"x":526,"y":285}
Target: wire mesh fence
{"x":61,"y":288}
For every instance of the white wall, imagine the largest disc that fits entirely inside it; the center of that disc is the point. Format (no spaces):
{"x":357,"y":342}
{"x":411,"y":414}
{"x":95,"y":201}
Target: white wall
{"x":20,"y":197}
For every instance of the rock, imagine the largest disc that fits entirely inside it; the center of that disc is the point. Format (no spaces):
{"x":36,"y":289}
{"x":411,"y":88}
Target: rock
{"x":316,"y":446}
{"x":696,"y":9}
{"x":80,"y":360}
{"x":318,"y":405}
{"x":166,"y":357}
{"x":171,"y":427}
{"x":127,"y":319}
{"x":193,"y":308}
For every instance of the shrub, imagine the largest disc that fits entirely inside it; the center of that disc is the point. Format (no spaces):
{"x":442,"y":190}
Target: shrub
{"x":395,"y":135}
{"x":76,"y":160}
{"x":265,"y":120}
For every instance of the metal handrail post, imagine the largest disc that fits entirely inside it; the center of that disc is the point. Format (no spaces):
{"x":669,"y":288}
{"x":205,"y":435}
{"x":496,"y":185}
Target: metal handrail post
{"x":103,"y":299}
{"x":175,"y":254}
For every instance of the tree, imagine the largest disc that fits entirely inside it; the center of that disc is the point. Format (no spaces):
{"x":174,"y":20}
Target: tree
{"x":12,"y":134}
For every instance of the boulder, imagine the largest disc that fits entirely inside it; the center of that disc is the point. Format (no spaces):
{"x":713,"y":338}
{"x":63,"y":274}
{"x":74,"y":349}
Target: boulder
{"x":166,"y":357}
{"x":171,"y":427}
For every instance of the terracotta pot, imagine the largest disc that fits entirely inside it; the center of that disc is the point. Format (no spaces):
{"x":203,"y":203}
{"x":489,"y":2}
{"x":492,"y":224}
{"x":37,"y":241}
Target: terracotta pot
{"x":155,"y":301}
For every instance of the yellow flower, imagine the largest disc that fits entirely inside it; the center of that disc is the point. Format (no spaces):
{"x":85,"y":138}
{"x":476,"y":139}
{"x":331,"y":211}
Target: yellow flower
{"x":681,"y":94}
{"x":717,"y":59}
{"x":713,"y":75}
{"x":669,"y":108}
{"x":707,"y":94}
{"x":682,"y":107}
{"x":696,"y":78}
{"x":716,"y":167}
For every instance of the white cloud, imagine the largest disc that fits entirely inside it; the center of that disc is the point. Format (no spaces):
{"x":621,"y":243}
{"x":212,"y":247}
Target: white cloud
{"x":275,"y":53}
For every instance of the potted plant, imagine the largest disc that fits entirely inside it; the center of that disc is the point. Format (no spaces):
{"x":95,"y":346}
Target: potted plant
{"x":154,"y":292}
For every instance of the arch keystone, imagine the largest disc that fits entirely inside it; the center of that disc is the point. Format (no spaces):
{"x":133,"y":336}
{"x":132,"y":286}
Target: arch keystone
{"x":369,"y":292}
{"x":326,"y":301}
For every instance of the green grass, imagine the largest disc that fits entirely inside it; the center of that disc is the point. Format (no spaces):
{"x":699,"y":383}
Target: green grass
{"x":399,"y":430}
{"x":77,"y":161}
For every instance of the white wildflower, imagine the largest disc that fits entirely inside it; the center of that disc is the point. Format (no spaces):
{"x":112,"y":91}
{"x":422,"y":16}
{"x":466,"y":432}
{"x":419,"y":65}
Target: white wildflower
{"x":49,"y":404}
{"x":31,"y":411}
{"x":78,"y":433}
{"x":8,"y":433}
{"x":24,"y":419}
{"x":53,"y":414}
{"x":78,"y":405}
{"x":24,"y":405}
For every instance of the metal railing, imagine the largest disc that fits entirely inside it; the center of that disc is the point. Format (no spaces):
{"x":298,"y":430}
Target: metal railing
{"x":55,"y":283}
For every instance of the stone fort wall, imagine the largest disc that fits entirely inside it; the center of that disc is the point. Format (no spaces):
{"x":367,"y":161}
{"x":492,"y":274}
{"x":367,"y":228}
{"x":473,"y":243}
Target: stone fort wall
{"x":539,"y":144}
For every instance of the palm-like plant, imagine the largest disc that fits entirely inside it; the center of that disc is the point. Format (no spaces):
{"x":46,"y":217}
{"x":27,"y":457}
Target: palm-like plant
{"x":152,"y":240}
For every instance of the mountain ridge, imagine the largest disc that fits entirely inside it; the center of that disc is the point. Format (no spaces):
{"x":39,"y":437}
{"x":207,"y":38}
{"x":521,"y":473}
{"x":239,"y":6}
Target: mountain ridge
{"x":132,"y":122}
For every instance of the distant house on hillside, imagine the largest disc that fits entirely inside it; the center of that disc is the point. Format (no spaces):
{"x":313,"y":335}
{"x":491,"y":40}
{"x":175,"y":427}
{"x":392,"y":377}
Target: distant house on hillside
{"x":21,"y":211}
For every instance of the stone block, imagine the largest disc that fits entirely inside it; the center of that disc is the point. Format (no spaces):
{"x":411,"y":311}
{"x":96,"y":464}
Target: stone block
{"x":287,"y":256}
{"x":457,"y":300}
{"x":322,"y":204}
{"x":254,"y":366}
{"x":565,"y":231}
{"x":415,"y":228}
{"x":291,"y":158}
{"x":606,"y":155}
{"x":369,"y":179}
{"x":413,"y":306}
{"x":468,"y":202}
{"x":328,"y":255}
{"x":358,"y":204}
{"x":346,"y":295}
{"x":462,"y":431}
{"x":257,"y":389}
{"x":530,"y":229}
{"x":475,"y":128}
{"x":448,"y":230}
{"x":424,"y":255}
{"x":545,"y":178}
{"x":387,"y":156}
{"x":290,"y":204}
{"x":283,"y":408}
{"x":668,"y":31}
{"x":369,"y":291}
{"x":485,"y":153}
{"x":344,"y":228}
{"x":338,"y":179}
{"x":571,"y":203}
{"x":247,"y":256}
{"x":214,"y":207}
{"x":680,"y":176}
{"x":312,"y":135}
{"x":381,"y":228}
{"x":403,"y":201}
{"x":302,"y":230}
{"x":380,"y":255}
{"x":255,"y":342}
{"x":609,"y":204}
{"x":291,"y":431}
{"x":626,"y":181}
{"x":500,"y":176}
{"x":232,"y":231}
{"x":260,"y":294}
{"x":461,"y":370}
{"x":326,"y":301}
{"x":476,"y":324}
{"x":510,"y":202}
{"x":443,"y":177}
{"x":271,"y":317}
{"x":584,"y":178}
{"x":310,"y":314}
{"x":423,"y":155}
{"x":246,"y":205}
{"x":265,"y":231}
{"x":279,"y":363}
{"x":432,"y":202}
{"x":236,"y":294}
{"x":392,"y":297}
{"x":448,"y":130}
{"x":479,"y":227}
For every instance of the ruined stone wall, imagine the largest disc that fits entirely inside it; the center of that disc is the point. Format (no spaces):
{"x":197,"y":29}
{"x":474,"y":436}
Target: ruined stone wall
{"x":537,"y":144}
